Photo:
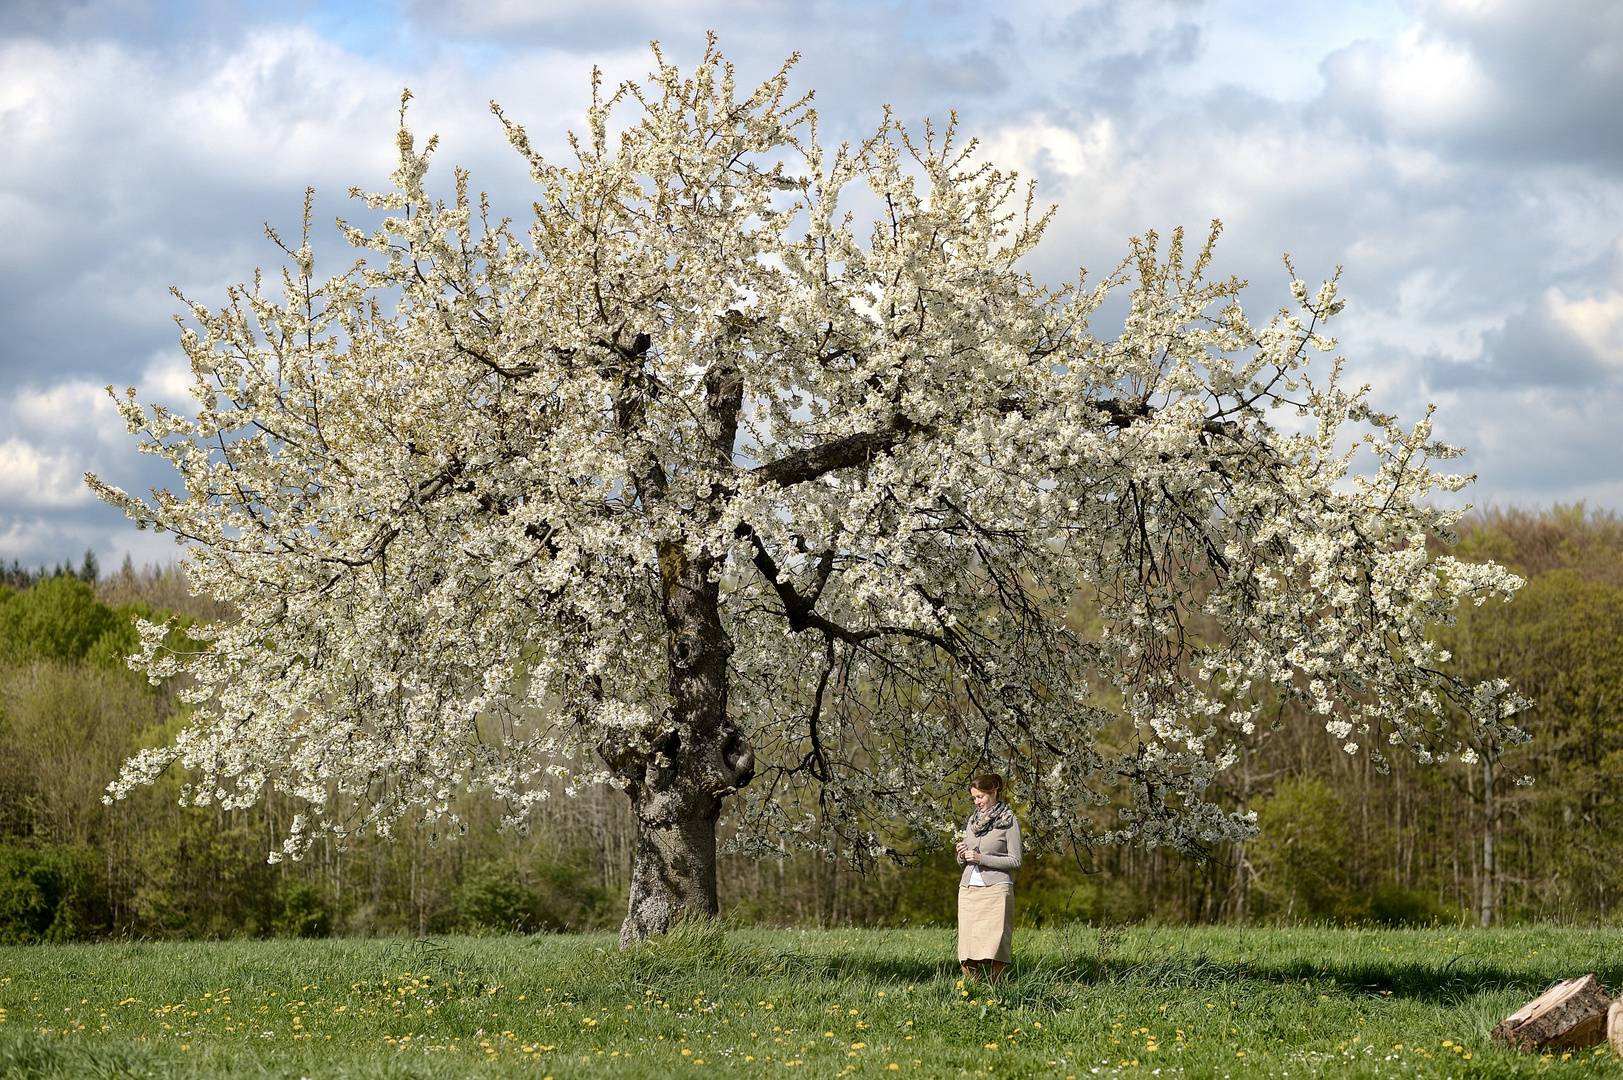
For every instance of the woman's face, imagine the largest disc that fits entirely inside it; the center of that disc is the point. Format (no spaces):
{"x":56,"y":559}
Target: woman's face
{"x":983,"y":799}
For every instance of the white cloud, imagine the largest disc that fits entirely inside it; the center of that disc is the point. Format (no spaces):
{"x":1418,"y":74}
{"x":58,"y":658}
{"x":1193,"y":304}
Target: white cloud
{"x":168,"y":380}
{"x":1534,"y":447}
{"x":1596,"y":321}
{"x":54,"y":434}
{"x":76,"y":410}
{"x":36,"y":480}
{"x":1424,"y":85}
{"x":571,"y":23}
{"x":1464,"y":160}
{"x":281,"y":107}
{"x":1521,"y":81}
{"x":1052,"y":151}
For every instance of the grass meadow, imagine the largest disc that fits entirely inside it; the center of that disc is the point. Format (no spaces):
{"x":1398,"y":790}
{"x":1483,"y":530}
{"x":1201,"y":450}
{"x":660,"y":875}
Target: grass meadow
{"x":1082,"y":1002}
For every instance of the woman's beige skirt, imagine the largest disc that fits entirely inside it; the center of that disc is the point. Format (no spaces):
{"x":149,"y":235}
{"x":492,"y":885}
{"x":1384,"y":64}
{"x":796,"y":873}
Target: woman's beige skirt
{"x":985,"y":922}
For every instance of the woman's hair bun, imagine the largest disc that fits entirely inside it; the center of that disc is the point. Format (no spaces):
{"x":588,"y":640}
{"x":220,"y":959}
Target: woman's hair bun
{"x":991,"y":783}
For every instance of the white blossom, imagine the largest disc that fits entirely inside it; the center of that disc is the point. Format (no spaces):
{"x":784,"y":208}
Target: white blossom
{"x":448,"y":487}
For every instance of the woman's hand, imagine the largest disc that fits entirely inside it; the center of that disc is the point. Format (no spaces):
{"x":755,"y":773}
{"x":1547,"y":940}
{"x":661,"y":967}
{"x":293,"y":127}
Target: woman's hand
{"x":968,"y":854}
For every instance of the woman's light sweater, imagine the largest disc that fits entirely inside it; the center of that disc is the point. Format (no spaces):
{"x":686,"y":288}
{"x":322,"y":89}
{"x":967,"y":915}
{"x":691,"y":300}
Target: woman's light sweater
{"x":1000,"y":854}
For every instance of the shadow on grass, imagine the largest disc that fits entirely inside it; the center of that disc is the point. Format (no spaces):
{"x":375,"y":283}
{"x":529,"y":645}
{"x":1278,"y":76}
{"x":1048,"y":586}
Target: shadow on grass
{"x":25,"y":1054}
{"x":1447,"y":984}
{"x":1091,"y":959}
{"x":1050,"y":966}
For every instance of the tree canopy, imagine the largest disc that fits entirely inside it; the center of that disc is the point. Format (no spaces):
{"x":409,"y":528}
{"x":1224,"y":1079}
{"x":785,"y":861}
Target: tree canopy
{"x":60,"y":619}
{"x":704,"y":488}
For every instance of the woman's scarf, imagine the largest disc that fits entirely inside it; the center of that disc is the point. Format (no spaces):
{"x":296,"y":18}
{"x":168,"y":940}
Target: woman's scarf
{"x":997,"y":816}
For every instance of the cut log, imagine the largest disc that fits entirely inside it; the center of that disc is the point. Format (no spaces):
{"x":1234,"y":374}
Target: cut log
{"x":1614,"y":1026}
{"x":1567,"y":1016}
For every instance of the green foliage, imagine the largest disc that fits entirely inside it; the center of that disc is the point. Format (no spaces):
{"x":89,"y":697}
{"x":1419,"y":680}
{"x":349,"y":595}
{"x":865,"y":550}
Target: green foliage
{"x":45,"y":894}
{"x":491,"y":897}
{"x":1564,"y":636}
{"x":1054,"y":890}
{"x":120,"y":641}
{"x":1301,"y":856}
{"x":1532,"y":542}
{"x":1561,"y":641}
{"x":301,"y":909}
{"x":1051,"y":889}
{"x":64,"y":729}
{"x":1339,"y":844}
{"x":927,"y":891}
{"x":555,"y":894}
{"x":200,"y":876}
{"x":58,"y":619}
{"x":1391,"y":904}
{"x":570,"y":896}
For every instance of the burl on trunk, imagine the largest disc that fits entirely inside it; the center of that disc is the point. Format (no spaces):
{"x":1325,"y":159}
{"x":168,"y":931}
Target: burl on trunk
{"x":699,"y":758}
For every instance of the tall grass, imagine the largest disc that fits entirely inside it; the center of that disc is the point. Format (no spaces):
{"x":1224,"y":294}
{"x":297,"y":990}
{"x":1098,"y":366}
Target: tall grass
{"x":709,"y":999}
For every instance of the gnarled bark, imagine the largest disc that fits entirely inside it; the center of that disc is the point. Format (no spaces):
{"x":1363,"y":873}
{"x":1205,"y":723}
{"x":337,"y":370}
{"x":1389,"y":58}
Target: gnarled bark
{"x":674,"y":872}
{"x":699,"y":758}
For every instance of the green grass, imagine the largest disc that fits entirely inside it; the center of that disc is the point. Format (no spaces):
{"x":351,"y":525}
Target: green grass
{"x":874,"y":1003}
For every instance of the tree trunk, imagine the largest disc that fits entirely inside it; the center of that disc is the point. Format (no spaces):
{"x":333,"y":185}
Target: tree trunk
{"x":674,"y":870}
{"x":1490,"y":826}
{"x":697,"y":759}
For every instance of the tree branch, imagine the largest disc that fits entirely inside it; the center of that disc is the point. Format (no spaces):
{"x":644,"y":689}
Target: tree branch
{"x":842,"y":453}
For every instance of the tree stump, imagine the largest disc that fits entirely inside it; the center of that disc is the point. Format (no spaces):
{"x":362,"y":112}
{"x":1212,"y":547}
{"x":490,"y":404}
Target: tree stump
{"x":1614,"y":1026}
{"x":1567,"y":1016}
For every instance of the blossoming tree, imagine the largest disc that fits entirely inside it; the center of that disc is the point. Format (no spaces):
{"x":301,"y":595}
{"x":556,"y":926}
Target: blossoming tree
{"x":696,"y":488}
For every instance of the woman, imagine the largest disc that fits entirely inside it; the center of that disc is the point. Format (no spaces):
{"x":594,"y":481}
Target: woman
{"x":989,"y":850}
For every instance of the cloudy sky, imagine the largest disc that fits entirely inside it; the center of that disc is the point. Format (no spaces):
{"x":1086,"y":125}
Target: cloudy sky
{"x":1462,"y":159}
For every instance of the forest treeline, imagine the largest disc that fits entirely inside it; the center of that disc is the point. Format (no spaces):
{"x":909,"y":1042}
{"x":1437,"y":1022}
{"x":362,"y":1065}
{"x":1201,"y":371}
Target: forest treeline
{"x":1440,"y":842}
